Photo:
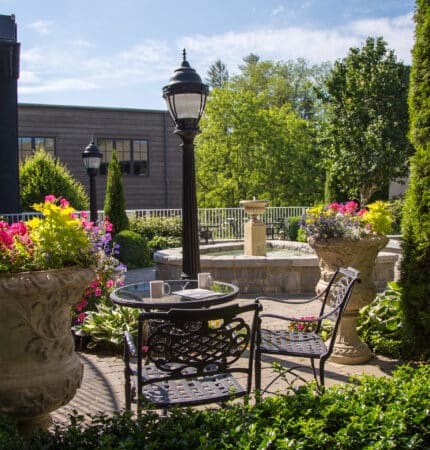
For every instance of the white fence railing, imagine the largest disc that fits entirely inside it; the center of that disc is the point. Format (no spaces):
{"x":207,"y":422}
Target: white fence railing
{"x":223,"y":223}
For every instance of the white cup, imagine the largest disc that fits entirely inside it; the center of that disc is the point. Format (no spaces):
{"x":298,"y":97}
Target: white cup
{"x":204,"y":280}
{"x":158,"y":289}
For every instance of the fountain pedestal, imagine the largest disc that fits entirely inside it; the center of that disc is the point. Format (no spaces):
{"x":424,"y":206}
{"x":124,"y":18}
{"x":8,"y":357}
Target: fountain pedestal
{"x":255,"y":239}
{"x":254,"y":230}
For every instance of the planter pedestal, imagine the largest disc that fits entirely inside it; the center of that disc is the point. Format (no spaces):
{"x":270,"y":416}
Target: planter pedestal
{"x":361,"y":255}
{"x":39,"y":370}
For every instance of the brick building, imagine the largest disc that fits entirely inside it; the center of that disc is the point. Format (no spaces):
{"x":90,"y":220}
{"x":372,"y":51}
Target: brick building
{"x":148,"y":150}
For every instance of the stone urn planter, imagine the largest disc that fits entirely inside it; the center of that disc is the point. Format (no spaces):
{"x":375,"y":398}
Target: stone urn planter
{"x":254,"y":229}
{"x":39,"y":370}
{"x":360,"y":254}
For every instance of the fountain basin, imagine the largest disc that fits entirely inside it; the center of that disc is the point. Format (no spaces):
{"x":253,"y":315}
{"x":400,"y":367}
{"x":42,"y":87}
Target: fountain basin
{"x":264,"y":274}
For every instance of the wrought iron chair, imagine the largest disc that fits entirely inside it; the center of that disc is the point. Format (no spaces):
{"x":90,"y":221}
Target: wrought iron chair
{"x":191,"y":357}
{"x":300,"y":337}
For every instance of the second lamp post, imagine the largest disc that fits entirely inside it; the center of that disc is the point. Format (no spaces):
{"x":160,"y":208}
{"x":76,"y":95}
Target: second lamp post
{"x":91,"y":157}
{"x":185,"y":96}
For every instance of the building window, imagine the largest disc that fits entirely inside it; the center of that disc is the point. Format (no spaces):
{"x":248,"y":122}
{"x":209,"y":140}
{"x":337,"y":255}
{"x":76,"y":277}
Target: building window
{"x":28,"y":145}
{"x":132,"y":155}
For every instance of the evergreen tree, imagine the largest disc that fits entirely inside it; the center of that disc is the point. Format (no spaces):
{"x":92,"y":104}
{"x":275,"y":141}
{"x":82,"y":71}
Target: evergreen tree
{"x":114,"y":207}
{"x":218,"y":74}
{"x":41,"y":175}
{"x":415,"y":274}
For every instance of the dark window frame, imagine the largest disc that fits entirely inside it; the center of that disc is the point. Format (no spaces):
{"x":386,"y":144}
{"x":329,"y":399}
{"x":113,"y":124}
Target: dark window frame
{"x":129,"y":167}
{"x":33,"y":145}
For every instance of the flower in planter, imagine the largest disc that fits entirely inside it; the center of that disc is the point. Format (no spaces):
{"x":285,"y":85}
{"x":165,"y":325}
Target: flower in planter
{"x":57,"y":239}
{"x":346,"y":221}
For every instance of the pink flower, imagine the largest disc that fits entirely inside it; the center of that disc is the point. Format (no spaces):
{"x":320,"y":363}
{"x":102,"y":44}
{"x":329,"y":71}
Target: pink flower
{"x":81,"y":317}
{"x":84,"y":214}
{"x":110,"y":283}
{"x":94,"y":283}
{"x":64,"y":203}
{"x":97,"y":292}
{"x":120,"y":282}
{"x":108,"y":226}
{"x":334,"y":206}
{"x":50,"y":198}
{"x":362,"y":211}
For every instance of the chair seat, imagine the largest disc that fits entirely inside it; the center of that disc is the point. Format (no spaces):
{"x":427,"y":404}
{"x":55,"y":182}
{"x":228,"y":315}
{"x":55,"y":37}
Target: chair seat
{"x":294,"y":343}
{"x":188,"y":391}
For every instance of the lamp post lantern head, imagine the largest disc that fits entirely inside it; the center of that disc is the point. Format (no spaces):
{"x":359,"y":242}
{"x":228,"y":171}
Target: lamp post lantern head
{"x":185,"y":96}
{"x":92,"y":157}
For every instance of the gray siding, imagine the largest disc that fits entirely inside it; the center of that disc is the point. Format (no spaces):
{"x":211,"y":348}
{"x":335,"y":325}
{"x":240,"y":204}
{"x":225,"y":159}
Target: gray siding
{"x":73,"y":127}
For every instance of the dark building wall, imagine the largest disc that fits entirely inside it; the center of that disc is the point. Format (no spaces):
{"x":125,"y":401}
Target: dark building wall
{"x":73,"y":127}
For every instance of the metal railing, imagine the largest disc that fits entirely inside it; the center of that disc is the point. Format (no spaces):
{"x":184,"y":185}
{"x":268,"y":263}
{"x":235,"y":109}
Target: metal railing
{"x":224,"y":223}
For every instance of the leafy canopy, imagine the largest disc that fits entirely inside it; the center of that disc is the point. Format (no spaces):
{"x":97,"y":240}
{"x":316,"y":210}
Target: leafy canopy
{"x":365,"y":123}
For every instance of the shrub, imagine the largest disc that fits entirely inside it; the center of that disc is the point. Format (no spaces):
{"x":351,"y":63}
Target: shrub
{"x":293,"y":226}
{"x":41,"y":175}
{"x":380,"y":322}
{"x":133,"y":249}
{"x":114,"y":207}
{"x":415,"y":268}
{"x":159,"y":232}
{"x":381,"y":413}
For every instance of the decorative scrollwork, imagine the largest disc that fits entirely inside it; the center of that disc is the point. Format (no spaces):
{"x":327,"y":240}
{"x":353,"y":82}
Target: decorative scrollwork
{"x":197,"y":345}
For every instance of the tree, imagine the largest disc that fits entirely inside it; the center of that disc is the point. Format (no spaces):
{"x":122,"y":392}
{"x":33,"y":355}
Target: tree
{"x":41,"y":175}
{"x":364,"y":130}
{"x":247,"y":149}
{"x":218,"y":74}
{"x":259,"y":136}
{"x":415,"y":268}
{"x":114,"y":207}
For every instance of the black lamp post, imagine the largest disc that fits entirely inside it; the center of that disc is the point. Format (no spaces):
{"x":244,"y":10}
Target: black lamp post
{"x":185,"y":96}
{"x":91,"y":158}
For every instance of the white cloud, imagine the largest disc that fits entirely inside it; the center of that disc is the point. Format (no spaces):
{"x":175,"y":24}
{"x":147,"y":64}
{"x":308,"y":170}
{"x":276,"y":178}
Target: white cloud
{"x":80,"y":65}
{"x":41,"y":26}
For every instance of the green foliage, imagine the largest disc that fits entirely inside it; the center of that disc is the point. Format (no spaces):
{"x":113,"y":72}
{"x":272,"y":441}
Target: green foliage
{"x":114,"y":207}
{"x":133,"y":249}
{"x":159,"y":232}
{"x":258,"y":137}
{"x":374,"y":413}
{"x":293,"y":227}
{"x":365,"y":124}
{"x":396,"y":207}
{"x":106,"y":325}
{"x":380,"y":322}
{"x":41,"y":175}
{"x":415,"y":276}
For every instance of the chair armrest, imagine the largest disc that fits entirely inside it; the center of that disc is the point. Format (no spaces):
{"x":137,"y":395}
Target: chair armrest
{"x":129,"y":344}
{"x":292,"y":302}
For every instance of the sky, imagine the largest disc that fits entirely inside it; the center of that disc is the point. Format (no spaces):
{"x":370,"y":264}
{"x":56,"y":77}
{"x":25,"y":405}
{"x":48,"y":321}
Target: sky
{"x":121,"y":53}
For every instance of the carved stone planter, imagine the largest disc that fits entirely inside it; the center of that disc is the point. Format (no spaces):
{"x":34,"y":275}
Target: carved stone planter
{"x":360,"y":254}
{"x":39,"y":370}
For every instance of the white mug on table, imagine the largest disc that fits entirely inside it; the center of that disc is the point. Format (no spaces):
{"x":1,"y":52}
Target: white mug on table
{"x":158,"y":289}
{"x":204,"y":280}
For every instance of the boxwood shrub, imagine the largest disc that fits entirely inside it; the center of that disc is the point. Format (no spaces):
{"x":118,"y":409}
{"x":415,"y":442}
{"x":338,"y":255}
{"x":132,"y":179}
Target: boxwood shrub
{"x":133,"y":249}
{"x":372,"y":413}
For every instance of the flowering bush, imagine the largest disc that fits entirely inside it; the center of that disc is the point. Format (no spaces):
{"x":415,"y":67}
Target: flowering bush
{"x":58,"y":239}
{"x":346,"y":220}
{"x":62,"y":238}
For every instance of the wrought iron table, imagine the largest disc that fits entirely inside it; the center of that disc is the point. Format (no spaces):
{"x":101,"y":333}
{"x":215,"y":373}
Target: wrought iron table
{"x":137,"y":295}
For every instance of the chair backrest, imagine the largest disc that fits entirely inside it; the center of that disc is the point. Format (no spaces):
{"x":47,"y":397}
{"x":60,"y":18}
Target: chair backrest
{"x":195,"y":342}
{"x":336,"y":296}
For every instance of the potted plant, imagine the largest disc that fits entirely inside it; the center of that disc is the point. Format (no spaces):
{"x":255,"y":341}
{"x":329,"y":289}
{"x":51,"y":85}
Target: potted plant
{"x":341,"y":234}
{"x":45,"y":265}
